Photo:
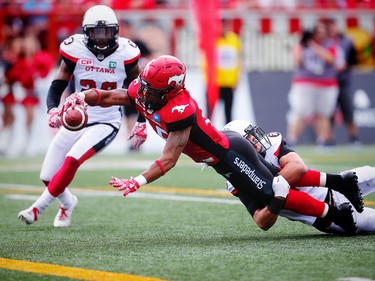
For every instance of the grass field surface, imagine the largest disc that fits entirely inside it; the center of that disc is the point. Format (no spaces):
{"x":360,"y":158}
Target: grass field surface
{"x":184,"y":226}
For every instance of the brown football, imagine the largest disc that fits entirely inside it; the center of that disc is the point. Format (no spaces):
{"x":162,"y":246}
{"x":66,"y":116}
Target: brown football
{"x":74,"y":118}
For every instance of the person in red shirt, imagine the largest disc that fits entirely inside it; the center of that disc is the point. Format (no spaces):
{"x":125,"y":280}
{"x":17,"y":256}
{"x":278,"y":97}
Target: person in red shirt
{"x":159,"y":94}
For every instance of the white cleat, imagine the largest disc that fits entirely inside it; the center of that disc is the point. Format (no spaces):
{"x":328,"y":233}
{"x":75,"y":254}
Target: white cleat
{"x":29,"y":216}
{"x":64,"y":216}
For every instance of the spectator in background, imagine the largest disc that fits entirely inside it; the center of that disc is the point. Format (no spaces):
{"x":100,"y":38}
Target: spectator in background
{"x":228,"y":48}
{"x":314,"y":88}
{"x":24,"y":62}
{"x":345,"y":97}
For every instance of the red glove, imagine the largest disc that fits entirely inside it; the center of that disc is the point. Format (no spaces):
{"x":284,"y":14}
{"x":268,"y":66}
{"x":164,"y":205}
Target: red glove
{"x":140,"y":132}
{"x":54,"y":118}
{"x":73,"y":99}
{"x":128,"y":185}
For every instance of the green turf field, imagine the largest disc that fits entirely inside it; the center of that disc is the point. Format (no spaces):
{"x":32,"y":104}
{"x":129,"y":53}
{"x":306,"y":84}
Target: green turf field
{"x":182,"y":227}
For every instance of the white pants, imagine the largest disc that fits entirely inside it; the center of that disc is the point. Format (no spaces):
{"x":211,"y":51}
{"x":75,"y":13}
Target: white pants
{"x":365,"y":221}
{"x":75,"y":144}
{"x":307,"y":100}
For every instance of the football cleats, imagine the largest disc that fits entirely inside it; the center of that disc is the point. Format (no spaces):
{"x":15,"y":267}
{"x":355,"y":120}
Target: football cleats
{"x":254,"y":134}
{"x":100,"y":28}
{"x":161,"y":79}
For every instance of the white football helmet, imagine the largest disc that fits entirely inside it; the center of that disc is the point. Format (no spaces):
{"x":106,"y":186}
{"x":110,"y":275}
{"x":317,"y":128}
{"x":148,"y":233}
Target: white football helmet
{"x":245,"y":129}
{"x":100,"y":28}
{"x":238,"y":126}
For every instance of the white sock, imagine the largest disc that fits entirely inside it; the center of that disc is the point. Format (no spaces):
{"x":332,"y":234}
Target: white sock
{"x":323,"y":179}
{"x":43,"y":201}
{"x":66,"y":199}
{"x":326,"y":207}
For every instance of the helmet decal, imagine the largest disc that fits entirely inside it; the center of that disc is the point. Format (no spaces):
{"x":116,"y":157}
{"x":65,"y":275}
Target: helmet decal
{"x":177,"y":79}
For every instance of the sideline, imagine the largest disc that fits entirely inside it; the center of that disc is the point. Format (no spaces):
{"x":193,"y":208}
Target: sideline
{"x":70,"y":272}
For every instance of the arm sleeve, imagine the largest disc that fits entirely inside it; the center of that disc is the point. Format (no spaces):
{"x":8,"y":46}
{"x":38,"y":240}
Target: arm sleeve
{"x":54,"y":93}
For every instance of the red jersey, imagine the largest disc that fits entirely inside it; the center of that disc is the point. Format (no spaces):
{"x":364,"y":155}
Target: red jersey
{"x":206,"y":144}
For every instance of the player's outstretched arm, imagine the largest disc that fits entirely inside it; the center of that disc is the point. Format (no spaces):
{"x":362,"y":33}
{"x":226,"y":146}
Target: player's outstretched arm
{"x":173,"y":148}
{"x":106,"y":97}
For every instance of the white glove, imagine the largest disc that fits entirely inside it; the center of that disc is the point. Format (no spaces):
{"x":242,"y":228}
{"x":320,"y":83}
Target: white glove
{"x":280,"y":186}
{"x":139,"y":131}
{"x":54,"y":118}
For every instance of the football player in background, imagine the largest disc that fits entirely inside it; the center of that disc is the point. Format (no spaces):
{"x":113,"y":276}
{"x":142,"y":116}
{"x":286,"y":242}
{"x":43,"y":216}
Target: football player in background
{"x":273,"y":148}
{"x":98,"y":58}
{"x":160,"y":96}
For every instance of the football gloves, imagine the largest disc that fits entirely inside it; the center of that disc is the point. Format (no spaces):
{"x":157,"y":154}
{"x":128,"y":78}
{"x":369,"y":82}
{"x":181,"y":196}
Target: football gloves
{"x":280,"y":186}
{"x":74,"y":99}
{"x":54,"y":118}
{"x":126,"y":185}
{"x":139,"y":131}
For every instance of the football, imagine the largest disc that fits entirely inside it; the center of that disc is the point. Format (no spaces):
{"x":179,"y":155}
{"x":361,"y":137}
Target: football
{"x":74,"y":118}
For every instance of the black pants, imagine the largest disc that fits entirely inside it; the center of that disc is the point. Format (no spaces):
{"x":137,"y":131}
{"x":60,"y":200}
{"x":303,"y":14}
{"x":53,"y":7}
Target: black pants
{"x":226,"y":95}
{"x":245,"y":171}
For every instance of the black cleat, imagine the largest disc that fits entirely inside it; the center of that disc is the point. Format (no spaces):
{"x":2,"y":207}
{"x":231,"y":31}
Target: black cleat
{"x":350,"y":190}
{"x":345,"y":219}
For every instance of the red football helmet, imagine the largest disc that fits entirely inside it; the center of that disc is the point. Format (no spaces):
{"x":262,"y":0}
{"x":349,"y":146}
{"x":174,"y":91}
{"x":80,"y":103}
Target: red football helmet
{"x":161,"y":79}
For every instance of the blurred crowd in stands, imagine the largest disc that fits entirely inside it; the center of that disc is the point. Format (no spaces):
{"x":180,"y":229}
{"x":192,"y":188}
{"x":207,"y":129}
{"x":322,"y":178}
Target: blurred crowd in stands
{"x":31,"y":31}
{"x":48,"y":5}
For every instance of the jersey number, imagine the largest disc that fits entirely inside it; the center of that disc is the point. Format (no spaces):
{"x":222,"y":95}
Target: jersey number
{"x":88,"y":84}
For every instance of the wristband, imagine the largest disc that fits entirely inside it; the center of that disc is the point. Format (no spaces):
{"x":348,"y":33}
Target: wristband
{"x":157,"y":162}
{"x":98,"y":99}
{"x":141,"y":180}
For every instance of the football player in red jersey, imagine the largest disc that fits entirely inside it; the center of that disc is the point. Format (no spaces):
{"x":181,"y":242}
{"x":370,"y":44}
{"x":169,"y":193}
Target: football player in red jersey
{"x":159,"y":94}
{"x":98,"y":58}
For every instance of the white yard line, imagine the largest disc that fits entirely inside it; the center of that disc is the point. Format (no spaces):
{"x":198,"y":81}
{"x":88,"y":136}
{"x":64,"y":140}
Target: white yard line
{"x":105,"y":193}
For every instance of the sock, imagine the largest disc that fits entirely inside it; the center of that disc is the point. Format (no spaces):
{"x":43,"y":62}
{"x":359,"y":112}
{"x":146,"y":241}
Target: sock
{"x":302,"y":203}
{"x":332,"y":212}
{"x":64,"y":176}
{"x":334,"y":181}
{"x":65,"y":199}
{"x":310,"y":178}
{"x":43,"y":201}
